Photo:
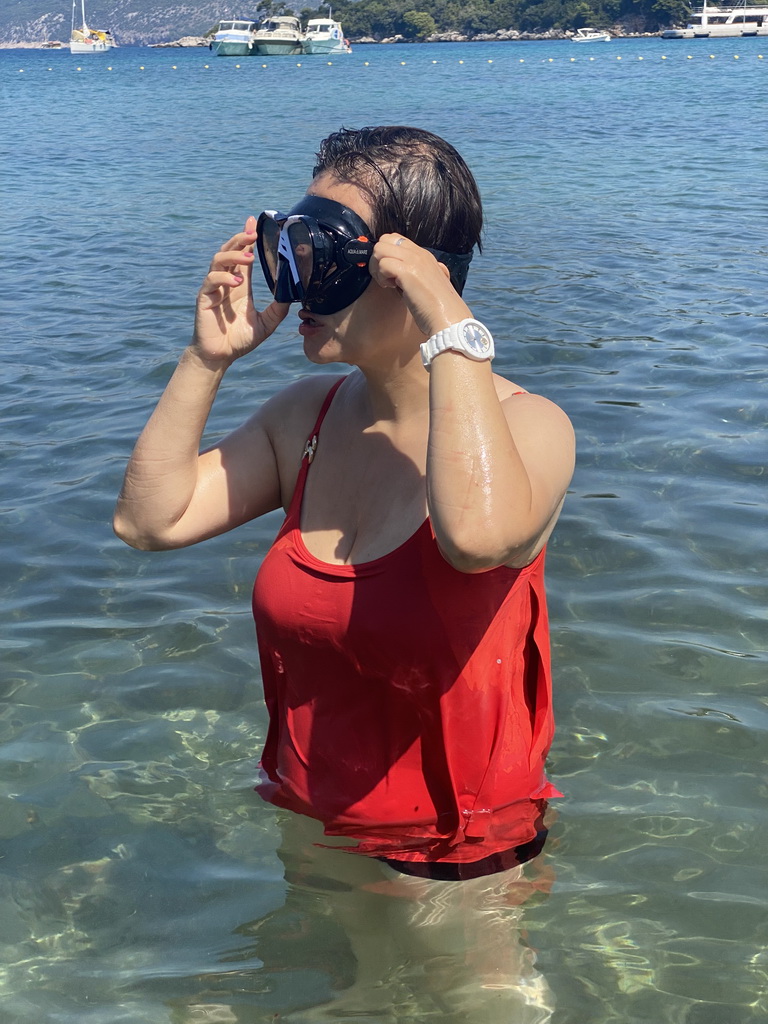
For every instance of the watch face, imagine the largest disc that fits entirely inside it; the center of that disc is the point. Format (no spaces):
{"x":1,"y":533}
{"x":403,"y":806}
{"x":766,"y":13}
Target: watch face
{"x":477,"y":339}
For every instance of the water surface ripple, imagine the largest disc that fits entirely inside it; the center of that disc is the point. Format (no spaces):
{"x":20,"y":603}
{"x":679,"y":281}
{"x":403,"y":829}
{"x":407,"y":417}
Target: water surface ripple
{"x":624,"y":274}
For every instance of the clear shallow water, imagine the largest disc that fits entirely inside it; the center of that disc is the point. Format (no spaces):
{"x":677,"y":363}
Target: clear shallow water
{"x":625,"y":272}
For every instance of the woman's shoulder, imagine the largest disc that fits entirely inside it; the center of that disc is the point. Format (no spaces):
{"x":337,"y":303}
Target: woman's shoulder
{"x":290,"y":415}
{"x":507,"y":388}
{"x":523,"y":406}
{"x":307,"y":390}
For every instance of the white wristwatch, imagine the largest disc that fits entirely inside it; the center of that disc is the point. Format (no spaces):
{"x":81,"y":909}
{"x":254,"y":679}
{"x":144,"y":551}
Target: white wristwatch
{"x":469,"y":337}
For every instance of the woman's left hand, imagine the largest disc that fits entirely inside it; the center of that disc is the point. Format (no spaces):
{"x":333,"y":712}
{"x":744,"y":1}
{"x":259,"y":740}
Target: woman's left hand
{"x":424,"y":283}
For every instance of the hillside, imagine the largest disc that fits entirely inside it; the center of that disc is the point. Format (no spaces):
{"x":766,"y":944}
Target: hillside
{"x":131,"y":21}
{"x":152,"y":21}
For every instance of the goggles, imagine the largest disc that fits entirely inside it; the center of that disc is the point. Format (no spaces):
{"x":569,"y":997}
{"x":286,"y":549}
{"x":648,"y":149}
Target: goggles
{"x":318,"y":254}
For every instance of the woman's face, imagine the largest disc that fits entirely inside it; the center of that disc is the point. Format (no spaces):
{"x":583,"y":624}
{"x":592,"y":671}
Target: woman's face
{"x":372,"y":327}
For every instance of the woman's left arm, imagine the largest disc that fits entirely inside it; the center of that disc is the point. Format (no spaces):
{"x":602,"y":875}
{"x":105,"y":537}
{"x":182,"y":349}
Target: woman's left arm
{"x":497,"y":468}
{"x":498,"y":463}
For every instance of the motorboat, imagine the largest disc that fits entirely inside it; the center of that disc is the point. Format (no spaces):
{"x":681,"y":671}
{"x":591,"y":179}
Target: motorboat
{"x":280,"y":34}
{"x":324,"y":35}
{"x":725,"y":21}
{"x":590,"y":35}
{"x":85,"y":39}
{"x":233,"y":38}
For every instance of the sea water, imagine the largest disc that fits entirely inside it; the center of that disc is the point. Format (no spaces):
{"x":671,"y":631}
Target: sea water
{"x":624,"y":276}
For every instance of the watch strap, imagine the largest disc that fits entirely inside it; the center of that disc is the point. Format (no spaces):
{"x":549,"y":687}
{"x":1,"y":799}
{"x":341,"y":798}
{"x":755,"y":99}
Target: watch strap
{"x":454,"y":338}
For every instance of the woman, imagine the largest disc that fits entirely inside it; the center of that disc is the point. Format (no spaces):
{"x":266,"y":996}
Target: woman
{"x":400,"y":612}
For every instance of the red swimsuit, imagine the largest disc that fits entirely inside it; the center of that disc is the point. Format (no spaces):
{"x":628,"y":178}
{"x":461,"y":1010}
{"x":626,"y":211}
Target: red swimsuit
{"x":409,"y":703}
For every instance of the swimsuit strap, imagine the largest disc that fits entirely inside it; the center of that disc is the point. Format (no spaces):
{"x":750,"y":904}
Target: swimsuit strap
{"x":310,"y":447}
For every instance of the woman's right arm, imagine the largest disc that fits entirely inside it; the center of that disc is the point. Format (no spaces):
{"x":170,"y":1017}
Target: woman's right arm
{"x":173,"y":495}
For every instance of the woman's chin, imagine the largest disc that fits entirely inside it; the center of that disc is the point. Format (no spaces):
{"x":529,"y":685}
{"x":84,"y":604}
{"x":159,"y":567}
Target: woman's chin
{"x":322,"y":353}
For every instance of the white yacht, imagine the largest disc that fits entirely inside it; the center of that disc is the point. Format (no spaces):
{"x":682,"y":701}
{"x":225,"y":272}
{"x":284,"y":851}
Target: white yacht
{"x":278,"y":35}
{"x":88,"y":40}
{"x":590,"y":35}
{"x":324,"y":35}
{"x":724,"y":21}
{"x":234,"y":38}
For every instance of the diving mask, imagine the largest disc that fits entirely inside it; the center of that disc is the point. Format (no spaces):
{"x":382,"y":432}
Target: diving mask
{"x":318,"y":255}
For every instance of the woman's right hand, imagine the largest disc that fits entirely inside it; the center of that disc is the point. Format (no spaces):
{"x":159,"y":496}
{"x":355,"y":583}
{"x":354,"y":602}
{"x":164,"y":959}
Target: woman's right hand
{"x":227,"y":325}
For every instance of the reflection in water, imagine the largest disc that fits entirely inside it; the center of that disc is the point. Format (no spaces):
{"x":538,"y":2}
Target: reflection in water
{"x":385,"y":947}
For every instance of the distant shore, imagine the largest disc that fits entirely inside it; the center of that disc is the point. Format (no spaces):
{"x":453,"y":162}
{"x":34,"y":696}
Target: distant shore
{"x":510,"y":36}
{"x":47,"y":44}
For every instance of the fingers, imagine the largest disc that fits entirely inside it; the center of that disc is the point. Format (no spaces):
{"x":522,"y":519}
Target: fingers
{"x":244,"y":240}
{"x":231,"y":258}
{"x":396,"y":239}
{"x":233,"y":254}
{"x":395,"y":257}
{"x":396,"y":246}
{"x":387,"y":260}
{"x":401,"y":256}
{"x":226,"y":323}
{"x":232,"y":264}
{"x":422,"y":281}
{"x":220,"y":279}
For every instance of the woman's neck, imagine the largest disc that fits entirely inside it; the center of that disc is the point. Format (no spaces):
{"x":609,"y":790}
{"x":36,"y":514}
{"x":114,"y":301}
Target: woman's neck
{"x":395,"y":394}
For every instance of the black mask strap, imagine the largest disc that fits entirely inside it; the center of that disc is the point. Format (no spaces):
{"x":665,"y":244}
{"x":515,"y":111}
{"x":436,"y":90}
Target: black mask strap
{"x":457,"y":264}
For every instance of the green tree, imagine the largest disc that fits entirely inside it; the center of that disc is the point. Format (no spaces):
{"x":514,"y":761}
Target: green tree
{"x":583,"y":15}
{"x":418,"y":25}
{"x":475,"y":18}
{"x":381,"y":18}
{"x":270,"y":8}
{"x":668,"y":12}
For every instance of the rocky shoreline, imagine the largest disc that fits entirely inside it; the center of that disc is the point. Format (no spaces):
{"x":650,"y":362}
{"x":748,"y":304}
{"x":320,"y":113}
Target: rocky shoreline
{"x":47,"y":44}
{"x":503,"y":35}
{"x":508,"y":35}
{"x":185,"y":41}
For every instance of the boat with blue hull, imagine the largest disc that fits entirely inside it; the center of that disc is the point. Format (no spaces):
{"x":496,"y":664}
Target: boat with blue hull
{"x":324,"y":35}
{"x":234,"y":38}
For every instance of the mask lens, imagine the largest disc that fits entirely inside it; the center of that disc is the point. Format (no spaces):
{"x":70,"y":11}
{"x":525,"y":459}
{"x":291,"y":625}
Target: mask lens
{"x":303,"y":250}
{"x":269,"y":237}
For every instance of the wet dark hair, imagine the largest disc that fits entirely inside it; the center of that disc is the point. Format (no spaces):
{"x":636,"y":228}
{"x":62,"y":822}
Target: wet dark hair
{"x":417,"y":183}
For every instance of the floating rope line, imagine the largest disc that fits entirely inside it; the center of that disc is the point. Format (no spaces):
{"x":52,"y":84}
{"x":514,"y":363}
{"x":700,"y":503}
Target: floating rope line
{"x":402,"y":63}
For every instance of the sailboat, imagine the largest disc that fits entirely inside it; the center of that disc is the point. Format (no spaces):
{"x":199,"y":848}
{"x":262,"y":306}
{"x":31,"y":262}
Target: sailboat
{"x":88,"y":40}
